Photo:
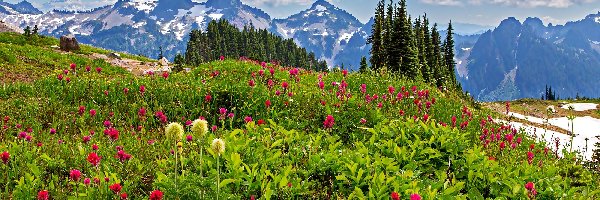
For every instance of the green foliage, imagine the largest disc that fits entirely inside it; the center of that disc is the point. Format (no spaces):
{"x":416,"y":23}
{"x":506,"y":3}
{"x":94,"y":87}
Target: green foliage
{"x":224,"y":39}
{"x":376,"y":145}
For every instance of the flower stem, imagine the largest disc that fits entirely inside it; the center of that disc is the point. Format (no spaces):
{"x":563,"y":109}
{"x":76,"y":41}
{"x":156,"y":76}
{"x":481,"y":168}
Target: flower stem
{"x":218,"y":177}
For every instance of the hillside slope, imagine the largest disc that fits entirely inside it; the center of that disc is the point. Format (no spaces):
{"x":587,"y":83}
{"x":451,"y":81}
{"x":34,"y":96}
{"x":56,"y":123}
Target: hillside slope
{"x":30,"y":58}
{"x":257,"y":130}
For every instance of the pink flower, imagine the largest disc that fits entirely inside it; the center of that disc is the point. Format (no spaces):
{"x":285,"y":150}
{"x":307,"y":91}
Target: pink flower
{"x":284,"y":85}
{"x":321,"y":85}
{"x":73,"y":66}
{"x":94,"y":147}
{"x":345,"y":72}
{"x":329,"y":122}
{"x":87,"y":181}
{"x":391,"y":89}
{"x":60,"y":77}
{"x":415,"y":197}
{"x":88,"y":68}
{"x":214,"y":128}
{"x":142,"y":89}
{"x":363,"y":121}
{"x":529,"y":186}
{"x":122,"y":156}
{"x":268,"y":103}
{"x":86,"y":139}
{"x":221,"y":58}
{"x":98,"y":69}
{"x":92,"y":113}
{"x":165,"y":75}
{"x":52,"y":131}
{"x":251,"y":83}
{"x":75,"y":175}
{"x":189,"y":138}
{"x":207,"y":98}
{"x":81,"y":110}
{"x":425,"y":117}
{"x":247,"y":119}
{"x":502,"y":146}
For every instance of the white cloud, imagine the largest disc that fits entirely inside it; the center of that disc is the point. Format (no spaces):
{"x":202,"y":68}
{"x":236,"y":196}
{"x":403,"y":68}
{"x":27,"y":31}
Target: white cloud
{"x":516,"y":3}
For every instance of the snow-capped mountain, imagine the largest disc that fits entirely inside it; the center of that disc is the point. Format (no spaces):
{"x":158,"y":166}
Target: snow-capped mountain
{"x":22,"y":7}
{"x":323,"y":29}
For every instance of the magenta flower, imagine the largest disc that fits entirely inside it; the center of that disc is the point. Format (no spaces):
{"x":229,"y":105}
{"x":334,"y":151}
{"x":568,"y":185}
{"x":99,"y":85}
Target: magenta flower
{"x":284,"y":85}
{"x":189,"y":138}
{"x":98,"y":69}
{"x":75,"y":175}
{"x":247,"y":119}
{"x":329,"y":122}
{"x":251,"y":83}
{"x":52,"y":131}
{"x":122,"y":156}
{"x":92,"y":113}
{"x":73,"y":66}
{"x":415,"y":197}
{"x":207,"y":98}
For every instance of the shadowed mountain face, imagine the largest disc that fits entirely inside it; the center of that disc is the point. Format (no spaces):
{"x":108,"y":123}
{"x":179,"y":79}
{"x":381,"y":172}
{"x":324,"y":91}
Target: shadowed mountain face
{"x":518,"y":60}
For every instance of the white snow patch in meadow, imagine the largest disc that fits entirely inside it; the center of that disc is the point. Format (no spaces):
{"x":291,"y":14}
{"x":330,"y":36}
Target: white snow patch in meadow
{"x":584,"y":128}
{"x":581,"y":106}
{"x":528,"y":118}
{"x":580,"y":145}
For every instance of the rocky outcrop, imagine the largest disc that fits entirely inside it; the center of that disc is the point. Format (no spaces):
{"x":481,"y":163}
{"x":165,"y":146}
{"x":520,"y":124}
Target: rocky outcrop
{"x":69,"y":43}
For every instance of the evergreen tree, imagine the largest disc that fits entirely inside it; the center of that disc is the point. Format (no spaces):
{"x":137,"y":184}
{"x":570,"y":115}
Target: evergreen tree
{"x":388,"y":30}
{"x":449,"y":55}
{"x":595,"y":162}
{"x":27,"y":31}
{"x":426,"y":52}
{"x":160,"y":54}
{"x":377,"y":50}
{"x":178,"y":63}
{"x":405,"y":45}
{"x":363,"y":64}
{"x":35,"y":30}
{"x":435,"y":59}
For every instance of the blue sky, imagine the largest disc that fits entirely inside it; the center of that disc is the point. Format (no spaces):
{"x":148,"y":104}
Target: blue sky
{"x":482,"y":12}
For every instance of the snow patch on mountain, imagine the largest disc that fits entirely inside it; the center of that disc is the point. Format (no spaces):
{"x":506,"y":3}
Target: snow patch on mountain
{"x":597,"y":19}
{"x":144,"y":5}
{"x":215,"y":16}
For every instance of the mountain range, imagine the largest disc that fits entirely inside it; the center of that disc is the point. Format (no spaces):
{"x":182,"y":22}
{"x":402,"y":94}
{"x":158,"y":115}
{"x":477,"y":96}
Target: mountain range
{"x":142,"y":26}
{"x":519,"y":59}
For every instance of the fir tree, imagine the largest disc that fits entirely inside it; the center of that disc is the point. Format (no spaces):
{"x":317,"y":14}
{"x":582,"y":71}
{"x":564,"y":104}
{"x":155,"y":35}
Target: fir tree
{"x":27,"y":31}
{"x":178,"y":63}
{"x":449,"y":55}
{"x":160,"y":53}
{"x":377,"y":50}
{"x":363,"y":64}
{"x":35,"y":30}
{"x":405,"y":44}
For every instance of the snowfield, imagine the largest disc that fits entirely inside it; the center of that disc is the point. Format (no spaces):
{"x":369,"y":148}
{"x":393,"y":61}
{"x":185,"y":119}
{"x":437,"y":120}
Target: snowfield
{"x":581,"y":106}
{"x":586,"y":131}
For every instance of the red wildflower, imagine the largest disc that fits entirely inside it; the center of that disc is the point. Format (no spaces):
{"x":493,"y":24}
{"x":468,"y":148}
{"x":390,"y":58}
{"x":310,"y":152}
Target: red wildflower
{"x":87,"y":181}
{"x":98,"y":69}
{"x":284,"y":85}
{"x":5,"y":156}
{"x":43,"y":195}
{"x":221,"y":58}
{"x":92,"y":113}
{"x":116,"y":188}
{"x":165,"y":75}
{"x":156,"y":195}
{"x":251,"y":83}
{"x":247,"y":119}
{"x":124,"y":195}
{"x":268,"y":103}
{"x":207,"y":98}
{"x":425,"y":117}
{"x":345,"y":72}
{"x":395,"y":196}
{"x":260,"y":122}
{"x":502,"y":145}
{"x":88,"y":68}
{"x":94,"y":159}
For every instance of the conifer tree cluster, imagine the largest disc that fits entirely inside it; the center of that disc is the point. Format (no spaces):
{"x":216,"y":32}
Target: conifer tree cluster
{"x":410,"y":48}
{"x":223,"y":39}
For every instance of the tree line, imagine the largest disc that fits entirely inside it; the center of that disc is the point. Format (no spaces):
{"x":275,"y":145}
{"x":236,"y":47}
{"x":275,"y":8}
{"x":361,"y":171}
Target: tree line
{"x":223,"y":39}
{"x":411,"y":48}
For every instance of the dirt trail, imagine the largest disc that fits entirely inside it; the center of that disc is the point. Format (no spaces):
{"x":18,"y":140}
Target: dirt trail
{"x":134,"y":66}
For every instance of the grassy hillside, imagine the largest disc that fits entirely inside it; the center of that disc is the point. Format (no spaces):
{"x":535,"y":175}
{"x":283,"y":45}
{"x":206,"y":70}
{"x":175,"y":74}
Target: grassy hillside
{"x":288,"y":134}
{"x":30,"y":58}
